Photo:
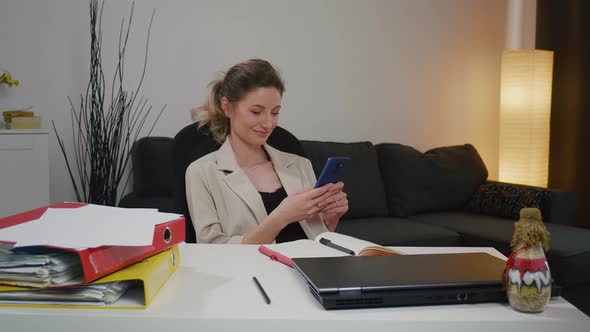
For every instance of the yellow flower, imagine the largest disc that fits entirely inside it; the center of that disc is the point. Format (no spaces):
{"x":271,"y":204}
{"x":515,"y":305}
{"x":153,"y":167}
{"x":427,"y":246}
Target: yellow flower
{"x":6,"y":78}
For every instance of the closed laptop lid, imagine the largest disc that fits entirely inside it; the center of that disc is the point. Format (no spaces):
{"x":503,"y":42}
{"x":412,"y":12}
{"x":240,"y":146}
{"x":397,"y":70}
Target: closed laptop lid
{"x":375,"y":273}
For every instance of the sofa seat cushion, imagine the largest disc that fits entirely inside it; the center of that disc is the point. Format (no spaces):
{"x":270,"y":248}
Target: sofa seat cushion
{"x":362,"y":179}
{"x":398,"y":232}
{"x":569,"y":252}
{"x":440,"y":179}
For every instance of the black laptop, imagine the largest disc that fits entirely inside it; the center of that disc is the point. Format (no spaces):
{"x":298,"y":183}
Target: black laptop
{"x":382,"y":281}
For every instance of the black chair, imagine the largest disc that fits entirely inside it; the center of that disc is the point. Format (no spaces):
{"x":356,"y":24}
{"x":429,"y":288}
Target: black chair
{"x":191,"y":143}
{"x":152,"y":174}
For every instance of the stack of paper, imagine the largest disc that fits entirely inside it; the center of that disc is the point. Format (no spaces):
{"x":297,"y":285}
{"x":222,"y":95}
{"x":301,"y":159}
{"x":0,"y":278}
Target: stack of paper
{"x":32,"y":270}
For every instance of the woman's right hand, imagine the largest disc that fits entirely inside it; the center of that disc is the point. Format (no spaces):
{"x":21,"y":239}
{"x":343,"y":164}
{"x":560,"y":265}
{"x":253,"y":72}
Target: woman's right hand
{"x":303,"y":204}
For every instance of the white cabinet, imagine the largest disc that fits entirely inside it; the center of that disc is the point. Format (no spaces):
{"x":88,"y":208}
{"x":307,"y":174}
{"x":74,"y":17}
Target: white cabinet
{"x":24,"y":170}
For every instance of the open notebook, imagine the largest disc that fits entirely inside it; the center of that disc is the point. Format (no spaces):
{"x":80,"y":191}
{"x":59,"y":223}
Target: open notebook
{"x":327,"y":244}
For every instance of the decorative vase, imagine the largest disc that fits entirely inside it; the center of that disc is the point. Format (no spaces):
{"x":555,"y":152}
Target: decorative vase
{"x":528,"y":279}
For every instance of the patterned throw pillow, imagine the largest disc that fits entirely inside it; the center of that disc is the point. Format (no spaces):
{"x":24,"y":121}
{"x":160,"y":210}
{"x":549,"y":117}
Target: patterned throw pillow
{"x":505,"y":200}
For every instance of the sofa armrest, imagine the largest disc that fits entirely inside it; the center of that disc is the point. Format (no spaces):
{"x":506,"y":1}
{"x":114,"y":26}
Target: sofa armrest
{"x":558,"y":207}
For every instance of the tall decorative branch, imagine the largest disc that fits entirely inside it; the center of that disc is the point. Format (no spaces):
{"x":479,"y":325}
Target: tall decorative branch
{"x":103,"y":131}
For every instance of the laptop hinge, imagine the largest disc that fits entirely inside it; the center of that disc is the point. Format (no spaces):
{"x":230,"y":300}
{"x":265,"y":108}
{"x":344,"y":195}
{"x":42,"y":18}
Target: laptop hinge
{"x":349,"y":291}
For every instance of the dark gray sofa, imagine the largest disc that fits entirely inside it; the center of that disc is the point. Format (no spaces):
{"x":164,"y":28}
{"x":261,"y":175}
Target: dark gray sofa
{"x":401,"y":197}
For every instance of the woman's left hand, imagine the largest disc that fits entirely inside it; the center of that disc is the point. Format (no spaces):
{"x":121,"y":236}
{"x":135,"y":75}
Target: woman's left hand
{"x":333,"y":211}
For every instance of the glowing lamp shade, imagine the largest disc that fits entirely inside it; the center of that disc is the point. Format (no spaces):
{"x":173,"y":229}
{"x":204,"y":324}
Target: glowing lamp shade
{"x":525,"y":105}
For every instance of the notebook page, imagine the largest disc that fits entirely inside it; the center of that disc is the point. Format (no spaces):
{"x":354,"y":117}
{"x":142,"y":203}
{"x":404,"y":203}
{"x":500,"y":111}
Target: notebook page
{"x":349,"y":242}
{"x":304,"y":249}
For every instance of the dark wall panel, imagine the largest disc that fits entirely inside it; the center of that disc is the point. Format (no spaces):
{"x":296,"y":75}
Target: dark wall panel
{"x":564,"y":27}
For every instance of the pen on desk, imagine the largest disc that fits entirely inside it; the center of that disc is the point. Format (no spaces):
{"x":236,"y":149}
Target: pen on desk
{"x":259,"y":286}
{"x":331,"y":244}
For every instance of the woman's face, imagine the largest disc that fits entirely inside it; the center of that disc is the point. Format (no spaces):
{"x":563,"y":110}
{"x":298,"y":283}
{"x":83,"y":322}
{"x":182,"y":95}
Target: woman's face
{"x":253,"y":118}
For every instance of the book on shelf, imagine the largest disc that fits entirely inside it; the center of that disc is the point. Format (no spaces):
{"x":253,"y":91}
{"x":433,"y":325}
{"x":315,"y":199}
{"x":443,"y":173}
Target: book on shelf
{"x":132,"y":287}
{"x":327,"y":244}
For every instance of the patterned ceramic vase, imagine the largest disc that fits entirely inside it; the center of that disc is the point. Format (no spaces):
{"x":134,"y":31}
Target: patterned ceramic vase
{"x":528,"y":279}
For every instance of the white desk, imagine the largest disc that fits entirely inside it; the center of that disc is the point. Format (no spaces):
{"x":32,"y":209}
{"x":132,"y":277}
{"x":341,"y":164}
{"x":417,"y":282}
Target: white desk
{"x":213,"y":291}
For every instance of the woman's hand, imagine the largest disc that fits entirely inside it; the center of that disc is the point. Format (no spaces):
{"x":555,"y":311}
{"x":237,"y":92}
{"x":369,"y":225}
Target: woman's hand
{"x":335,"y":207}
{"x":297,"y":206}
{"x":303,"y":204}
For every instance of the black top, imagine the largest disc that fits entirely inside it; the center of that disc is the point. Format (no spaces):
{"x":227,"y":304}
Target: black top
{"x":293,"y":231}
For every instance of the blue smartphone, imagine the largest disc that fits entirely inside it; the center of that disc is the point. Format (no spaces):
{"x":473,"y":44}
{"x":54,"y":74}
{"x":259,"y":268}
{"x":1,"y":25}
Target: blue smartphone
{"x":333,"y":171}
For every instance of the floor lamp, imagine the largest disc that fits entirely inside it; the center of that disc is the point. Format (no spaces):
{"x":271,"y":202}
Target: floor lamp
{"x":525,"y":107}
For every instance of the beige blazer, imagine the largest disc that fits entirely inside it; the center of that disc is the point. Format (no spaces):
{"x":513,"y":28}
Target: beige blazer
{"x":223,"y":203}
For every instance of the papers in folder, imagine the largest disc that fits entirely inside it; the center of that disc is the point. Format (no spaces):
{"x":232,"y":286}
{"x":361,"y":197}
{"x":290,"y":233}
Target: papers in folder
{"x":88,"y":226}
{"x":132,"y":287}
{"x":39,"y":270}
{"x":101,"y":294}
{"x":73,"y":243}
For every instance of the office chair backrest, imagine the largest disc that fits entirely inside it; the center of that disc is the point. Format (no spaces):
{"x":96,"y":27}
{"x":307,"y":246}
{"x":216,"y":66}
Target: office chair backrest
{"x":191,"y":143}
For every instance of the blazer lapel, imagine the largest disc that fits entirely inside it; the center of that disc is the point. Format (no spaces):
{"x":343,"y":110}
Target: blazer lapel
{"x":282,"y":163}
{"x":290,"y":177}
{"x":240,"y":184}
{"x":238,"y":181}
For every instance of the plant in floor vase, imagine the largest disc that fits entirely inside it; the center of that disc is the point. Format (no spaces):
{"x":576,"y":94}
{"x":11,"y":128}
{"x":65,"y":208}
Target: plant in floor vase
{"x":104,"y":126}
{"x":528,"y":279}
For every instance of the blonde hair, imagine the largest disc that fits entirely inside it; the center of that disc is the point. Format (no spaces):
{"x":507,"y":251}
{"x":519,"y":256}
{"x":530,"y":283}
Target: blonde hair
{"x":237,"y":82}
{"x":211,"y":113}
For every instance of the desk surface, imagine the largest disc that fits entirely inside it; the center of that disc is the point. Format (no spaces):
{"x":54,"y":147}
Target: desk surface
{"x":213,"y":290}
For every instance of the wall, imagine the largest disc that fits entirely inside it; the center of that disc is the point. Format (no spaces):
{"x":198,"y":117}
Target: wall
{"x":520,"y":24}
{"x":423,"y":73}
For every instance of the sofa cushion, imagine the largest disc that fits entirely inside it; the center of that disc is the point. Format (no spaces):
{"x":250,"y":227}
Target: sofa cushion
{"x":505,"y":200}
{"x":398,"y":232}
{"x":569,"y":252}
{"x":439,"y":179}
{"x":362,"y":180}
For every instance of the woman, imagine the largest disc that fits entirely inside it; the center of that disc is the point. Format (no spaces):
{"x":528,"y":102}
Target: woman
{"x":247,"y":191}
